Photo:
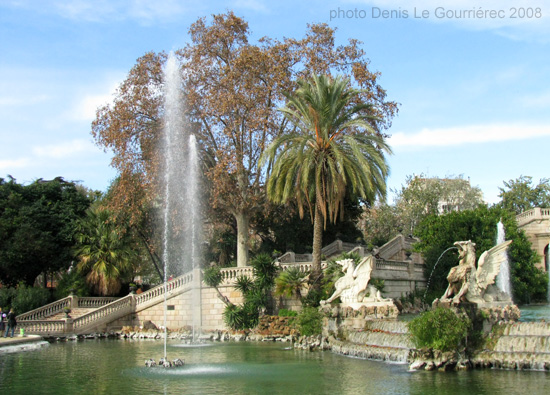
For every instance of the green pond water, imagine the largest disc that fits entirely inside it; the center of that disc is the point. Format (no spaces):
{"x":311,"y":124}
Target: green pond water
{"x":117,"y":367}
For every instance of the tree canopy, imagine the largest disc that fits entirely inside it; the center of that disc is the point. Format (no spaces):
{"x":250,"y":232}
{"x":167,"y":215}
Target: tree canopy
{"x":233,"y":88}
{"x":37,"y":223}
{"x":420,"y":197}
{"x":520,"y":195}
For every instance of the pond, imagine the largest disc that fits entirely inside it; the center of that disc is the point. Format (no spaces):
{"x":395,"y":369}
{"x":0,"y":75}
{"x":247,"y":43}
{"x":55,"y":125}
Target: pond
{"x":117,"y":366}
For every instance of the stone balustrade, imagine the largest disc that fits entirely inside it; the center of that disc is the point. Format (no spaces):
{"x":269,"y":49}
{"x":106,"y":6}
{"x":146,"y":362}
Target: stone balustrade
{"x":532,"y":215}
{"x":111,"y":311}
{"x":94,"y":303}
{"x":46,"y":311}
{"x":180,"y":283}
{"x":231,"y":274}
{"x":49,"y":327}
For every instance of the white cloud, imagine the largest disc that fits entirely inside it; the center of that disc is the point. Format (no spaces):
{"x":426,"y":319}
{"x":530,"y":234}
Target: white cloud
{"x":65,"y":149}
{"x":473,"y":134}
{"x":86,"y":107}
{"x":7,"y":165}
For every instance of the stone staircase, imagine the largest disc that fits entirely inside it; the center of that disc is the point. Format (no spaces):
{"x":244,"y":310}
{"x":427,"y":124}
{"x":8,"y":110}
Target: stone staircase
{"x":520,"y":345}
{"x":90,"y":314}
{"x":75,"y":313}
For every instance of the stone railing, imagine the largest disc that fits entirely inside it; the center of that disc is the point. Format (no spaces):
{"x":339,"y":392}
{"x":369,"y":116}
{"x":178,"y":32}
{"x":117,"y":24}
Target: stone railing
{"x":231,"y":274}
{"x":112,"y":311}
{"x":532,"y":215}
{"x":336,"y":247}
{"x":180,"y":283}
{"x":291,"y":257}
{"x":94,"y":303}
{"x":46,"y":311}
{"x":43,"y":327}
{"x":106,"y":309}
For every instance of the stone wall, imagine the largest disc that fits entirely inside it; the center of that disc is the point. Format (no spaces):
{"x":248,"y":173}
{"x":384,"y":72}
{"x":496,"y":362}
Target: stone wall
{"x":179,"y":311}
{"x":536,"y":224}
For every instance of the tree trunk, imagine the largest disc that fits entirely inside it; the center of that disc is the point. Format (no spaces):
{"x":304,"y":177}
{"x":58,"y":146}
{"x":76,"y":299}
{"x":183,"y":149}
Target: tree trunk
{"x":316,"y":272}
{"x":243,"y":221}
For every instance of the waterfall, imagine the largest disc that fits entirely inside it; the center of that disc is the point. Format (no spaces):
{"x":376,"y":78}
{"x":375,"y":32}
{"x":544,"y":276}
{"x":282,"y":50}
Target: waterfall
{"x":503,"y":278}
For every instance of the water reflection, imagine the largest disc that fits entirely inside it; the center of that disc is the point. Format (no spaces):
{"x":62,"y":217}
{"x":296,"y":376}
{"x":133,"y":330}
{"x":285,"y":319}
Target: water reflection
{"x":535,"y":313}
{"x":110,"y":366}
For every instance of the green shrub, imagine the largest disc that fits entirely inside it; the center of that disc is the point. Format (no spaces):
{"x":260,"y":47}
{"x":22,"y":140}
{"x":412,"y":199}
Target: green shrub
{"x":441,"y":329}
{"x":287,"y":313}
{"x":310,"y":321}
{"x":6,"y":297}
{"x":212,"y":276}
{"x":240,"y":317}
{"x":290,"y":283}
{"x":23,"y":298}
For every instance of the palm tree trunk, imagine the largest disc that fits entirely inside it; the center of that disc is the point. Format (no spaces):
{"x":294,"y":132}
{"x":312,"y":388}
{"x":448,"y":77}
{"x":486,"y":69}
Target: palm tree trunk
{"x":316,"y":272}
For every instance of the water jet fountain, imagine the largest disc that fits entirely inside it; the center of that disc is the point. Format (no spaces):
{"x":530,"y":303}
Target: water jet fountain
{"x":503,"y":278}
{"x":433,"y":270}
{"x":181,"y":215}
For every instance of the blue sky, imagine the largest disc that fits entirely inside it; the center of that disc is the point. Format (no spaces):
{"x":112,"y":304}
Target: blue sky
{"x":474,"y":90}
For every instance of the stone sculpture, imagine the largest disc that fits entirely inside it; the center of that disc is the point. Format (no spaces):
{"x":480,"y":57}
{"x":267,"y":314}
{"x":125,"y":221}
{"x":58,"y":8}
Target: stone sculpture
{"x":473,"y":283}
{"x":353,"y":287}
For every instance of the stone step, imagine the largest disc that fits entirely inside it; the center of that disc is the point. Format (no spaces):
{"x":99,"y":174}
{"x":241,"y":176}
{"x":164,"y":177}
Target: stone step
{"x":512,"y":360}
{"x":524,"y":343}
{"x":378,"y":353}
{"x":75,"y":313}
{"x":381,"y":339}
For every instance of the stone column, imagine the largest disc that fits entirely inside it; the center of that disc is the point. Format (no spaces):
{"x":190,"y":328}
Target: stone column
{"x":73,"y":302}
{"x":410,"y":270}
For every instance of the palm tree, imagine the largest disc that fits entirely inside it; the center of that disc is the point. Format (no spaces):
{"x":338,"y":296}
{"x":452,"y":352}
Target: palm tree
{"x":103,"y":251}
{"x":290,"y":283}
{"x":332,"y":150}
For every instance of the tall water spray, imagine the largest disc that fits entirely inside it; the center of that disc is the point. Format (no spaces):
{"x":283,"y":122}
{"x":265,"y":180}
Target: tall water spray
{"x":503,"y":278}
{"x":194,"y":227}
{"x":181,"y":214}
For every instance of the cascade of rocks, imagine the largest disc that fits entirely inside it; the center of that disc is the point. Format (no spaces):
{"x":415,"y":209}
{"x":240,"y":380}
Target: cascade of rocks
{"x":381,"y":340}
{"x":519,"y":345}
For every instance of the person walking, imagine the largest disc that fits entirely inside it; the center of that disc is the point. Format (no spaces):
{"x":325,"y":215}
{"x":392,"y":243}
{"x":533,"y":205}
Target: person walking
{"x":12,"y":323}
{"x":2,"y":316}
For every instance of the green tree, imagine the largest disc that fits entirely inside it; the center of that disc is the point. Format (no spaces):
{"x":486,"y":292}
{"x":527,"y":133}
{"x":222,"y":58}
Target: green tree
{"x":233,"y":88}
{"x":104,"y":252}
{"x":418,"y":198}
{"x":520,"y":195}
{"x":290,"y":283}
{"x":438,"y":233}
{"x":334,"y":149}
{"x":37,"y":224}
{"x":281,"y":228}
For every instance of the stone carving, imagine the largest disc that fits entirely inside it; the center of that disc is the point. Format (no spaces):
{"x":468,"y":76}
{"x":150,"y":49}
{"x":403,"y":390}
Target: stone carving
{"x":353,"y":287}
{"x":475,"y":284}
